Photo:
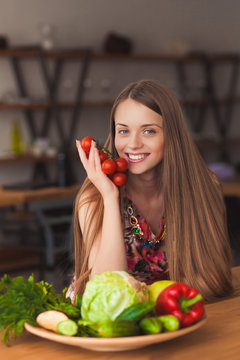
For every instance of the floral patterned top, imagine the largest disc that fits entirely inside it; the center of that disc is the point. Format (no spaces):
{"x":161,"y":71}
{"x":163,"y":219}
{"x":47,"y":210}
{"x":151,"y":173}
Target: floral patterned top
{"x":146,"y":264}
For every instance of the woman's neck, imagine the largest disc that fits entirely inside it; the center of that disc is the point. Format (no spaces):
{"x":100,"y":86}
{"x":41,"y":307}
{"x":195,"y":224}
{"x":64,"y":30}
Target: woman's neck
{"x":146,"y":194}
{"x":146,"y":185}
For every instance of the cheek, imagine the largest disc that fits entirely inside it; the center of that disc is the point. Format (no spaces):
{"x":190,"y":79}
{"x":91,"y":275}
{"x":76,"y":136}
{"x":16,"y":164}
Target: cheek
{"x":159,"y":145}
{"x":159,"y":150}
{"x":119,"y":145}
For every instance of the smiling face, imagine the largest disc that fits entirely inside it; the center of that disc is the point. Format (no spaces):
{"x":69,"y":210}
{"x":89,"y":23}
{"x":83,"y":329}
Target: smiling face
{"x":138,"y":136}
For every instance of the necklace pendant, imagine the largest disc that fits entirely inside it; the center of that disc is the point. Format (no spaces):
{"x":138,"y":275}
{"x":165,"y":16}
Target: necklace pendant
{"x":138,"y":235}
{"x":133,"y":220}
{"x":135,"y":230}
{"x":130,"y":210}
{"x":148,"y":243}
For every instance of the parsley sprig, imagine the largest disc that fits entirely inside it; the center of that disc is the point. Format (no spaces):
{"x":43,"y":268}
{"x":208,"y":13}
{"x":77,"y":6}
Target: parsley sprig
{"x":21,"y":300}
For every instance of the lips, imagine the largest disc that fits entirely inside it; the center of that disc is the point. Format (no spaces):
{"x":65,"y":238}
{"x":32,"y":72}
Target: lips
{"x":136,"y":157}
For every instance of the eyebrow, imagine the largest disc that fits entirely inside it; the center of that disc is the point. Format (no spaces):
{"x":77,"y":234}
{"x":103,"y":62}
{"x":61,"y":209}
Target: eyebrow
{"x":144,"y":125}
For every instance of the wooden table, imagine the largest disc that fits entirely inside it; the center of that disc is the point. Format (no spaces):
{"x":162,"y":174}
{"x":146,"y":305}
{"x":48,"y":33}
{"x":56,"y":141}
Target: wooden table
{"x":38,"y":201}
{"x":14,"y":197}
{"x":231,"y":188}
{"x":218,"y":339}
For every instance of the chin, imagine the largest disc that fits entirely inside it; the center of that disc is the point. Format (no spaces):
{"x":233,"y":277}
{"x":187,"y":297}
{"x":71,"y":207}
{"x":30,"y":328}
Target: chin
{"x":140,"y":171}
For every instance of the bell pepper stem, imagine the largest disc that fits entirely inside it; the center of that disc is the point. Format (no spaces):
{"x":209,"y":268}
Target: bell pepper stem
{"x":187,"y":303}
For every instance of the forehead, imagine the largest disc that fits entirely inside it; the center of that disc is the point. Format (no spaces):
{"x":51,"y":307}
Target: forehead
{"x":130,"y":111}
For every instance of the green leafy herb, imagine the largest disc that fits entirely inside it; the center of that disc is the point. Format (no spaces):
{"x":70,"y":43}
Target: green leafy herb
{"x":21,"y":300}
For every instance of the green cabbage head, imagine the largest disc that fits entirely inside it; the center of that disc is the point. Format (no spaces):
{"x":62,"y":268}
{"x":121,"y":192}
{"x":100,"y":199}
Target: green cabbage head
{"x":108,"y":294}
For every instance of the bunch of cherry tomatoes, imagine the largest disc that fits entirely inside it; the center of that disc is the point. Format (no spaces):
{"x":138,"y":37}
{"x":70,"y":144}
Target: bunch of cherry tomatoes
{"x":115,"y":169}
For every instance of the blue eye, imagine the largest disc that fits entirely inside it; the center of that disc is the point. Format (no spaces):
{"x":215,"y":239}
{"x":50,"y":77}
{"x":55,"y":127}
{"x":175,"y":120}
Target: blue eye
{"x":149,"y":131}
{"x":123,"y":132}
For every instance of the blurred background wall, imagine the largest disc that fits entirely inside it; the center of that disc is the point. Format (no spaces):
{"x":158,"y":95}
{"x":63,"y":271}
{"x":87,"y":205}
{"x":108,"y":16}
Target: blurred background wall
{"x":207,"y":24}
{"x":154,"y":27}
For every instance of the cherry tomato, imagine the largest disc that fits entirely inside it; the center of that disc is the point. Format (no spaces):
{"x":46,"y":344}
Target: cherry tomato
{"x":119,"y":178}
{"x":108,"y":166}
{"x":86,"y":143}
{"x":122,"y":164}
{"x":103,"y":156}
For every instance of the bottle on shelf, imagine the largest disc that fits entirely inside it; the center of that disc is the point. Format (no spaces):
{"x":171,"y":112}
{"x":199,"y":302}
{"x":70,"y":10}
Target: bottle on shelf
{"x":17,"y":144}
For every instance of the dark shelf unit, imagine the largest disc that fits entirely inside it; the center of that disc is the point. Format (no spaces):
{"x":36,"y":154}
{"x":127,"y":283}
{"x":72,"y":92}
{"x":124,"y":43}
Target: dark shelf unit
{"x":52,"y":107}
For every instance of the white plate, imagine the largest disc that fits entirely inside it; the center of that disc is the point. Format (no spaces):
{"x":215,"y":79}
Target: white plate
{"x":112,"y":344}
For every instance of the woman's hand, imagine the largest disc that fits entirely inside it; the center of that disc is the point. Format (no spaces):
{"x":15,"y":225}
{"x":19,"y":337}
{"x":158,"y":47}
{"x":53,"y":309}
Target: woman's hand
{"x":93,"y":168}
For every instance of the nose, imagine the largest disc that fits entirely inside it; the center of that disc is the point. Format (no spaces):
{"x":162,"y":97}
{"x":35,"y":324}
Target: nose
{"x":135,"y":141}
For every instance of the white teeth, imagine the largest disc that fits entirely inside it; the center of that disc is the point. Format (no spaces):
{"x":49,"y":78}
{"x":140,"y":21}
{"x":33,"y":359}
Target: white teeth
{"x":136,"y":157}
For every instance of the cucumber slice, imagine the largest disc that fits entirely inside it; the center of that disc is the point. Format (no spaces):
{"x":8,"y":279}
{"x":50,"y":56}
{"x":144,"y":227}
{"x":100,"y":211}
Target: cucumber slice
{"x":67,"y":328}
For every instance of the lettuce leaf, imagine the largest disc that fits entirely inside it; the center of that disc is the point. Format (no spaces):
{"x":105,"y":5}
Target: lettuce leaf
{"x":108,"y":294}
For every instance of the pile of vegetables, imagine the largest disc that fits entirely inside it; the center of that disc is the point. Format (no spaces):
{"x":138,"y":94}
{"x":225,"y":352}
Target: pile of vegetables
{"x":114,"y":304}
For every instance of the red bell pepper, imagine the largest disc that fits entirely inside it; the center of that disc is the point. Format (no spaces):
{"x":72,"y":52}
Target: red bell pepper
{"x":182,"y":301}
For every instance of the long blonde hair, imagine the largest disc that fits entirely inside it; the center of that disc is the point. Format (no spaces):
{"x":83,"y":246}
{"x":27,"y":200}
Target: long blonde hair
{"x":197,"y":245}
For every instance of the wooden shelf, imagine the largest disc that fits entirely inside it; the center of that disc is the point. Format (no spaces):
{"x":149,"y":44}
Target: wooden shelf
{"x":32,"y":52}
{"x":218,"y":58}
{"x":210,"y":102}
{"x":24,"y":106}
{"x":102,"y":104}
{"x":204,"y":144}
{"x":48,"y":105}
{"x":26,"y":158}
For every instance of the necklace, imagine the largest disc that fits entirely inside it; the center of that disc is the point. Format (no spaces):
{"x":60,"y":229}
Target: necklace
{"x":137,"y":231}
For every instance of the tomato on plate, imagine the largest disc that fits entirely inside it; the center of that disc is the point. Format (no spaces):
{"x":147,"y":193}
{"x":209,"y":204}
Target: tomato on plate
{"x":121,"y":164}
{"x":103,"y":155}
{"x":86,"y":143}
{"x":108,"y":166}
{"x":119,"y":178}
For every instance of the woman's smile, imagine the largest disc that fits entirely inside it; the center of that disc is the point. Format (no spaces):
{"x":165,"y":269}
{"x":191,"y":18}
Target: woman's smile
{"x":134,"y":158}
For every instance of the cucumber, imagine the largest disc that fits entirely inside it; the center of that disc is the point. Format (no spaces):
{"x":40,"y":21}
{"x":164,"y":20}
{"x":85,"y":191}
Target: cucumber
{"x":137,"y":311}
{"x":150,"y":325}
{"x":67,"y":328}
{"x":87,"y":328}
{"x":169,"y":322}
{"x":117,"y":328}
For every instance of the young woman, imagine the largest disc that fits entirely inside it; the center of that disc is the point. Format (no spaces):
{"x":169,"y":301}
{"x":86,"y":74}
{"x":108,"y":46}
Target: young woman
{"x":168,"y":221}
